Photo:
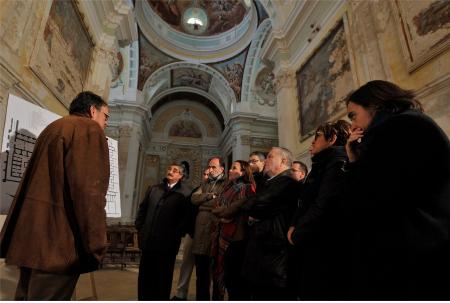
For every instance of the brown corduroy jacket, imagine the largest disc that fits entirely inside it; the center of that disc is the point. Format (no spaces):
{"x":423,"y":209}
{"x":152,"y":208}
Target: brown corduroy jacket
{"x":57,"y":221}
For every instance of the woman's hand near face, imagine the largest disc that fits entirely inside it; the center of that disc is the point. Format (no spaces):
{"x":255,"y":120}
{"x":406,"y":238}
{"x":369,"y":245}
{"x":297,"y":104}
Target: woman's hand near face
{"x":355,"y":135}
{"x":289,"y":234}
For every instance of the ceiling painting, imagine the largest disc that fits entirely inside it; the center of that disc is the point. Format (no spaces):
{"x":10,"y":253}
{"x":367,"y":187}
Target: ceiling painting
{"x":191,"y":78}
{"x":233,"y":71}
{"x":150,"y":60}
{"x":217,"y":15}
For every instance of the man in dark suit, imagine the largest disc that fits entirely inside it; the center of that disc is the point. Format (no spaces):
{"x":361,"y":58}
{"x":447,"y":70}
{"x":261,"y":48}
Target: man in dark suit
{"x":270,"y":211}
{"x":161,"y":223}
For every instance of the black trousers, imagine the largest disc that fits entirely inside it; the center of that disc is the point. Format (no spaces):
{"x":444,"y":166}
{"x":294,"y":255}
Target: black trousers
{"x":203,"y":273}
{"x":271,"y":294}
{"x":38,"y":285}
{"x":155,"y":276}
{"x":234,"y":281}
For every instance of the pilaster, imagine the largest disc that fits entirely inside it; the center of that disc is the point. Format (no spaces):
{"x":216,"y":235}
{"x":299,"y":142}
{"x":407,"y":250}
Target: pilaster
{"x":287,"y":109}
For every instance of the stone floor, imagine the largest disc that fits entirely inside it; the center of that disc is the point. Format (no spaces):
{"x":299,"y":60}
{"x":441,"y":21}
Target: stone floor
{"x":111,"y":283}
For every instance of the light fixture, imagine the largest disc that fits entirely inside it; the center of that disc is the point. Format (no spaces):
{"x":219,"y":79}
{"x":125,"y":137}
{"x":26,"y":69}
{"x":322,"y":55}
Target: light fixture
{"x":195,"y":19}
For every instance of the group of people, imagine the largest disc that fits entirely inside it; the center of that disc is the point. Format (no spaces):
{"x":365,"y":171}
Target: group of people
{"x":370,"y":221}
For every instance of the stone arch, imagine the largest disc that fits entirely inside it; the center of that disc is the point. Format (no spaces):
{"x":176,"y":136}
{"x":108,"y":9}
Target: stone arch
{"x":253,"y":59}
{"x":219,"y":92}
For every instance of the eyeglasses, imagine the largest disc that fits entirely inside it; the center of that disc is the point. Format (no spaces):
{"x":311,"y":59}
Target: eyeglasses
{"x":106,"y":116}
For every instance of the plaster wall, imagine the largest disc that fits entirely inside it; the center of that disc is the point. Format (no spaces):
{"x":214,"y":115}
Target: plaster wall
{"x":375,"y":47}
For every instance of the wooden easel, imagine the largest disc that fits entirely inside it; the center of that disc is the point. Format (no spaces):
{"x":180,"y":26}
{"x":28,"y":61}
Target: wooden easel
{"x":94,"y":296}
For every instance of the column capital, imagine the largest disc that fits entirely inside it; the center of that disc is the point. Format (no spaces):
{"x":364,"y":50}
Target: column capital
{"x":285,"y":79}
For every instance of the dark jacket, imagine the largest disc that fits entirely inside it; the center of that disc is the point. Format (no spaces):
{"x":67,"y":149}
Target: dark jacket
{"x":259,"y":178}
{"x":57,"y":221}
{"x":265,"y":262}
{"x":399,"y":210}
{"x":162,"y":217}
{"x":317,"y":227}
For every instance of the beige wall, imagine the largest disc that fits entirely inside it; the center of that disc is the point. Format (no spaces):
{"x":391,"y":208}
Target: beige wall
{"x":22,"y":24}
{"x":377,"y":51}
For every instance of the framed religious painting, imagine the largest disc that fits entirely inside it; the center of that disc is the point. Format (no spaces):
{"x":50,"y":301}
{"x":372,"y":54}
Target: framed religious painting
{"x":323,"y":82}
{"x":424,"y":29}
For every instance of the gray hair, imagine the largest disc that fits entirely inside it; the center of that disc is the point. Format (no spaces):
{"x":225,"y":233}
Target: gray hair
{"x":181,"y":166}
{"x":285,"y":154}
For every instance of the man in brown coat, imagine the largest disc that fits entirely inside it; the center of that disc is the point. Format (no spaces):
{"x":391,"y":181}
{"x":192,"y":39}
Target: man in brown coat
{"x":204,"y":198}
{"x":56,"y":226}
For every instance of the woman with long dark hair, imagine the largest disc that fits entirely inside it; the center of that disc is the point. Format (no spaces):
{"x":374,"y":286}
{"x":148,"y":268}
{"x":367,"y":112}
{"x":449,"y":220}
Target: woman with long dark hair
{"x":398,"y":197}
{"x":314,"y":228}
{"x":228,"y":240}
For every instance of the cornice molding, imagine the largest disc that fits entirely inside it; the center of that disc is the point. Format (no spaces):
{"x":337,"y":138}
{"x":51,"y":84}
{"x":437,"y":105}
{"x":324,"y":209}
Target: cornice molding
{"x":241,"y":117}
{"x":436,"y":86}
{"x":279,"y":39}
{"x":11,"y":81}
{"x":108,"y":21}
{"x":133,"y":108}
{"x":308,"y":19}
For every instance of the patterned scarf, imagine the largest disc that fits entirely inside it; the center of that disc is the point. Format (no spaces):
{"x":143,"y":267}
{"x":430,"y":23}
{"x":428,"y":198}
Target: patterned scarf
{"x":222,"y":233}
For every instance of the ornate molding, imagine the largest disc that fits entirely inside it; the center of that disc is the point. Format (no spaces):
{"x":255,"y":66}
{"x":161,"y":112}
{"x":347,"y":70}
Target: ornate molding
{"x":112,"y":132}
{"x":109,"y":21}
{"x":258,"y":142}
{"x":125,"y":130}
{"x":285,"y":79}
{"x":264,"y":142}
{"x":245,"y":139}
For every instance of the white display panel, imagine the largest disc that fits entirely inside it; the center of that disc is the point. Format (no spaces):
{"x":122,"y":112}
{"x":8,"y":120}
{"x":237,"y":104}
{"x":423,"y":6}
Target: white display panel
{"x":23,"y":124}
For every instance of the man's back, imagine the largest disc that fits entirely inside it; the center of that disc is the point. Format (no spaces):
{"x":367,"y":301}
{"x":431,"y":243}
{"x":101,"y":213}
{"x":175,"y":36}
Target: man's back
{"x":62,"y":194}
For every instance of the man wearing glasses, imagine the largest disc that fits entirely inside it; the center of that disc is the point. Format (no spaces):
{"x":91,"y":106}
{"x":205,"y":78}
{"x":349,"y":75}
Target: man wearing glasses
{"x":56,"y":226}
{"x":256,"y":160}
{"x":161,"y":223}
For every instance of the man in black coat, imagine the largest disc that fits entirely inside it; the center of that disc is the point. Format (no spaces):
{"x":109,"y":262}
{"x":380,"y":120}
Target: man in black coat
{"x":161,"y":223}
{"x":270,"y":211}
{"x":315,"y":232}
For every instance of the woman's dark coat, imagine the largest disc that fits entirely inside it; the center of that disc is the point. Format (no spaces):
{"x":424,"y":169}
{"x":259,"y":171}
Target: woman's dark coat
{"x":399,"y":210}
{"x":265,"y":263}
{"x":317,"y":221}
{"x":162,"y":218}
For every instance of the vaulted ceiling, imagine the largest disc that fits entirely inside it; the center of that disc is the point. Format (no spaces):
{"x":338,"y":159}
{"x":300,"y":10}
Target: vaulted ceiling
{"x":173,"y":58}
